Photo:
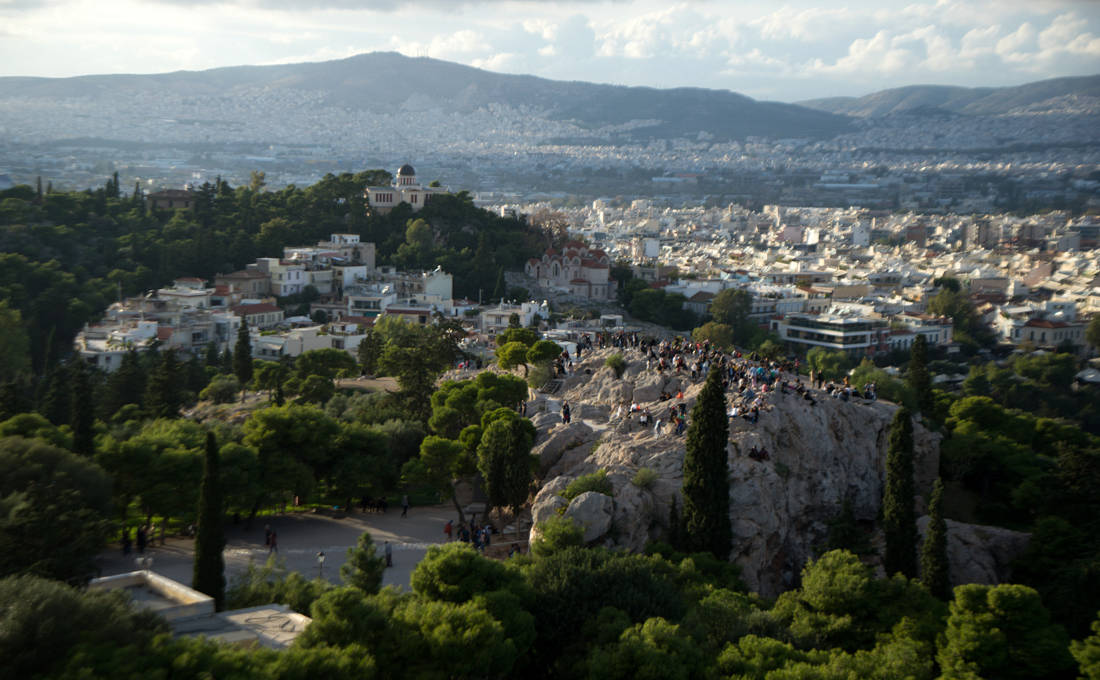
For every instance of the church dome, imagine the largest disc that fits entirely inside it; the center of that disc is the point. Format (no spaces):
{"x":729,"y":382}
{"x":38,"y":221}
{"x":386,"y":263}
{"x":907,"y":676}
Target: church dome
{"x":406,"y":170}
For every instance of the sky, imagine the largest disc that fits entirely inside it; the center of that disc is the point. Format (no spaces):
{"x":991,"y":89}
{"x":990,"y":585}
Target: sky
{"x":780,"y":51}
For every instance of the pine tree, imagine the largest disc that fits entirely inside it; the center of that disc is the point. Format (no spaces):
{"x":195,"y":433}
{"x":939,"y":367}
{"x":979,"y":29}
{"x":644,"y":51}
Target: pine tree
{"x":82,"y":410}
{"x":706,"y":488}
{"x":933,"y":555}
{"x":208,"y":574}
{"x":899,"y":514}
{"x":917,"y":376}
{"x":364,"y":567}
{"x":242,"y":355}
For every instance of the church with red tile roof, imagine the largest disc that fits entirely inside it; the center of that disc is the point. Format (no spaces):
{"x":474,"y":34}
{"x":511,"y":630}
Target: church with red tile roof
{"x":577,"y":269}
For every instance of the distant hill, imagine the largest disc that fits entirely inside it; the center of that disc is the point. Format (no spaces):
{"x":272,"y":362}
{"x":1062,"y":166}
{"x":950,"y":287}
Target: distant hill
{"x":964,"y":100}
{"x":387,"y":81}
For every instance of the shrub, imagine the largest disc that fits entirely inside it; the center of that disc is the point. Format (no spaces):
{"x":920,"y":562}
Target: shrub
{"x":557,"y":534}
{"x":597,"y":481}
{"x":645,"y":478}
{"x":616,"y":363}
{"x":223,"y":389}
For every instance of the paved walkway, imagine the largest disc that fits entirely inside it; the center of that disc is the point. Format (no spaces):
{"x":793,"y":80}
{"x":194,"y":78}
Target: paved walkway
{"x":300,"y":537}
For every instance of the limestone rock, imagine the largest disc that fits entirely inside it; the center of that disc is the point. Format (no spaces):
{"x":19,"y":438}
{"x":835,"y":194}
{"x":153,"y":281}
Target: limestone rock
{"x":561,"y":438}
{"x":593,"y":511}
{"x":979,"y":554}
{"x":547,"y":508}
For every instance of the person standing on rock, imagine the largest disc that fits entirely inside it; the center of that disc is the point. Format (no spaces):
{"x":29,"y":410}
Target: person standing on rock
{"x":565,"y":414}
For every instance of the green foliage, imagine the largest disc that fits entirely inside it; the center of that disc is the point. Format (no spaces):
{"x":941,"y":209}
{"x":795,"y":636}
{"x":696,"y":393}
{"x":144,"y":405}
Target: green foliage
{"x":933,"y":557}
{"x":455,"y":572}
{"x":1087,"y":653}
{"x":594,"y":481}
{"x":917,"y":377}
{"x":53,"y":511}
{"x":543,"y":352}
{"x":222,"y":389}
{"x":841,"y":604}
{"x":209,"y":563}
{"x":706,"y":523}
{"x":969,"y":329}
{"x":829,"y":364}
{"x":364,"y":567}
{"x":572,"y":585}
{"x":555,"y":535}
{"x":504,"y":458}
{"x":888,"y":387}
{"x":512,"y":354}
{"x":42,"y":622}
{"x":718,"y":334}
{"x":731,"y":307}
{"x":15,"y":354}
{"x":899,"y":518}
{"x":659,"y":307}
{"x":616,"y":363}
{"x":242,"y":355}
{"x":655,"y":649}
{"x":525,"y":336}
{"x":645,"y":478}
{"x":1003,"y":632}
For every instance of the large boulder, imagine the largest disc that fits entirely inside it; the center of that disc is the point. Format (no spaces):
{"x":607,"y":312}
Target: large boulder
{"x":979,"y":554}
{"x":593,"y":511}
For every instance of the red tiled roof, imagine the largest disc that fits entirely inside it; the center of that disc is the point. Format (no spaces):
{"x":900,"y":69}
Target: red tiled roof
{"x":245,"y":274}
{"x":165,"y":332}
{"x":1043,"y":323}
{"x":702,"y":296}
{"x":259,"y":308}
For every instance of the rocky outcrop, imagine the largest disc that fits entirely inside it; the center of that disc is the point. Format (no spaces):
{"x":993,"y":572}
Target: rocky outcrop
{"x":819,"y":456}
{"x":979,"y":554}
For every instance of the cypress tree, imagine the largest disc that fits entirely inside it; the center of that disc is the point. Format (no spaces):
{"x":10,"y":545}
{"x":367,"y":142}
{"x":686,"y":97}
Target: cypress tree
{"x":125,"y":386}
{"x":211,"y":358}
{"x":917,"y":375}
{"x":226,"y":365}
{"x":55,"y":402}
{"x":706,"y":489}
{"x":242,"y":355}
{"x":82,"y":410}
{"x":933,"y":555}
{"x":164,"y":392}
{"x":899,"y":515}
{"x":208,"y":574}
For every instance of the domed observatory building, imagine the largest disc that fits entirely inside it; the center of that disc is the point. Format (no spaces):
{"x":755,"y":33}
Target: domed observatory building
{"x":405,"y":189}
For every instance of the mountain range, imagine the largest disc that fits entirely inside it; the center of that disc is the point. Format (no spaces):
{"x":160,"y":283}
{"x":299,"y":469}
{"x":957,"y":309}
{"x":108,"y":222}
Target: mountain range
{"x":332,"y":95}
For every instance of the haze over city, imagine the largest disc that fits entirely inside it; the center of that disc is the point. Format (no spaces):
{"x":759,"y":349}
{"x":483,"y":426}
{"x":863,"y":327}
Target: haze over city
{"x":795,"y":51}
